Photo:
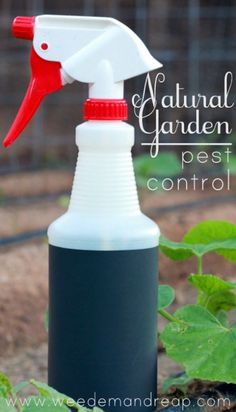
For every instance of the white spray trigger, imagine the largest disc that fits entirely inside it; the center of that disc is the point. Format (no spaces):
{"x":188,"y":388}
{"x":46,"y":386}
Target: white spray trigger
{"x":96,"y":50}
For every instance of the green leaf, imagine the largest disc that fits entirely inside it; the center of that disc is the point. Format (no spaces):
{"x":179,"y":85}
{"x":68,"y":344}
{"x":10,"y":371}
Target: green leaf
{"x":215,"y":231}
{"x":179,"y":382}
{"x":165,"y":164}
{"x":231,"y":165}
{"x":19,"y":387}
{"x":214,"y":293}
{"x":208,"y":236}
{"x":39,"y":403}
{"x":222,"y":316}
{"x":46,"y":390}
{"x":50,"y":393}
{"x":210,"y":284}
{"x":225,"y":300}
{"x":5,"y":385}
{"x":175,"y":250}
{"x":183,"y":251}
{"x":200,"y":343}
{"x":141,"y":182}
{"x":5,"y":407}
{"x":166,"y":296}
{"x":63,"y":201}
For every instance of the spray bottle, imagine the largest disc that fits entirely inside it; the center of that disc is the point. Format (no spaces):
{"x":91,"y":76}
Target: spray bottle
{"x":103,"y":250}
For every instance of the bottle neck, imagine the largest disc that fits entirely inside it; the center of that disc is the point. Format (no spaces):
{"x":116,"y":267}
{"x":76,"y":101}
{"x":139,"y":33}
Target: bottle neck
{"x":104,"y":182}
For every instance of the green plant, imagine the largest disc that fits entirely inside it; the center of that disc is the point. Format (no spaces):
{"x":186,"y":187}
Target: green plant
{"x":200,"y":336}
{"x":63,"y":201}
{"x":46,"y":400}
{"x":165,"y":164}
{"x":231,"y":165}
{"x":216,"y":236}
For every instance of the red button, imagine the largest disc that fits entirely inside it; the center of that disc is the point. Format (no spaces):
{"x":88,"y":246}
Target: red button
{"x":23,"y":27}
{"x":44,"y":46}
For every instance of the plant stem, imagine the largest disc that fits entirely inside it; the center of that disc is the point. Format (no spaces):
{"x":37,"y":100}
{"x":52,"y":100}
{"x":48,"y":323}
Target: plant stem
{"x":168,"y":316}
{"x":17,"y":403}
{"x":199,"y":265}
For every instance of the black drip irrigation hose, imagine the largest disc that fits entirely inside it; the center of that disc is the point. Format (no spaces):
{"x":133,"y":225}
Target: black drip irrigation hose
{"x":151,"y":212}
{"x":18,"y":201}
{"x":220,"y":399}
{"x":23,"y":237}
{"x":25,"y":200}
{"x":192,"y":205}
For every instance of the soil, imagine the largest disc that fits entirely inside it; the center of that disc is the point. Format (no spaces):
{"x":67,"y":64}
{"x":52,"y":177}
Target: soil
{"x":32,"y":363}
{"x":26,"y":364}
{"x":34,"y":183}
{"x":23,"y":267}
{"x":23,"y":297}
{"x":24,"y":218}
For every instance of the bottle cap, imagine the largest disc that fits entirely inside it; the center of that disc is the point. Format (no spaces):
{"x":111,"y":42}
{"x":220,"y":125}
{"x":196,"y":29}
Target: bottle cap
{"x":105,"y":109}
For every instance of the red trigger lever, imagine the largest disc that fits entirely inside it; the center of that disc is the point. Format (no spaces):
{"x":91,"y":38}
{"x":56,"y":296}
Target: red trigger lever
{"x":45,"y":79}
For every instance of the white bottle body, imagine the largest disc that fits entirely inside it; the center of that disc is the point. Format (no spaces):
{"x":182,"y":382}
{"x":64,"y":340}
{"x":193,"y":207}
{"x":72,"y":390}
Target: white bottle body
{"x":104,"y":212}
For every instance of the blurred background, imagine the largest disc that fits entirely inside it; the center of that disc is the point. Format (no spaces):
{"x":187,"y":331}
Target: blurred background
{"x":195,"y":41}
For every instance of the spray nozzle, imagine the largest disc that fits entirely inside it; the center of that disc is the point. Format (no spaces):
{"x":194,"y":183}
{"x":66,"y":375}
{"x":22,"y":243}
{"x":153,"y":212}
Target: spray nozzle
{"x":99,"y":51}
{"x":23,"y":27}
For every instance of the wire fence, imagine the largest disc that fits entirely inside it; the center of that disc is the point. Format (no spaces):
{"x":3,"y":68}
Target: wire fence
{"x":194,"y":39}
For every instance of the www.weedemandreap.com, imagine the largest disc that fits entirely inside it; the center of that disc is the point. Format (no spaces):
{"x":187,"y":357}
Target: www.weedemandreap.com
{"x":149,"y":402}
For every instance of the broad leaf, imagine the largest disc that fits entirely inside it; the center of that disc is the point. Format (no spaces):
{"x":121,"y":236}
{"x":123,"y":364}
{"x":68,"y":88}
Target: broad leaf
{"x":176,"y":250}
{"x":231,"y":165}
{"x":225,"y":300}
{"x":41,"y":404}
{"x":6,"y":406}
{"x":5,"y":385}
{"x":179,"y":382}
{"x":165,"y":164}
{"x":214,"y":293}
{"x":215,"y":231}
{"x":19,"y":387}
{"x":200,"y":343}
{"x":166,"y":296}
{"x":50,"y":393}
{"x":210,"y":284}
{"x":141,"y":182}
{"x":63,"y":201}
{"x":222,"y":316}
{"x":208,"y":236}
{"x":183,"y":250}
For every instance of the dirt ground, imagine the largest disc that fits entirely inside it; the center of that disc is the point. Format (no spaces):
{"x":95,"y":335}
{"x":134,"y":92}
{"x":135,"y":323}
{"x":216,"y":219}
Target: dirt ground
{"x":32,"y":363}
{"x":23,"y":267}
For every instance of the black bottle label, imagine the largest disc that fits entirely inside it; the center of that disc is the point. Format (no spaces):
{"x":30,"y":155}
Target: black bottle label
{"x":103,"y":327}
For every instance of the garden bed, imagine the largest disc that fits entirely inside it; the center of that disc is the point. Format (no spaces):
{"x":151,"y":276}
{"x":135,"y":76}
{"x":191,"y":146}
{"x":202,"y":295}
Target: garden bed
{"x":23,"y":267}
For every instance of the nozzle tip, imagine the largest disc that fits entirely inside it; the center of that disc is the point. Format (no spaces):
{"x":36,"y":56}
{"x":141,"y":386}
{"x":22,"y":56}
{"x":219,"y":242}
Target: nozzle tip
{"x":23,"y":27}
